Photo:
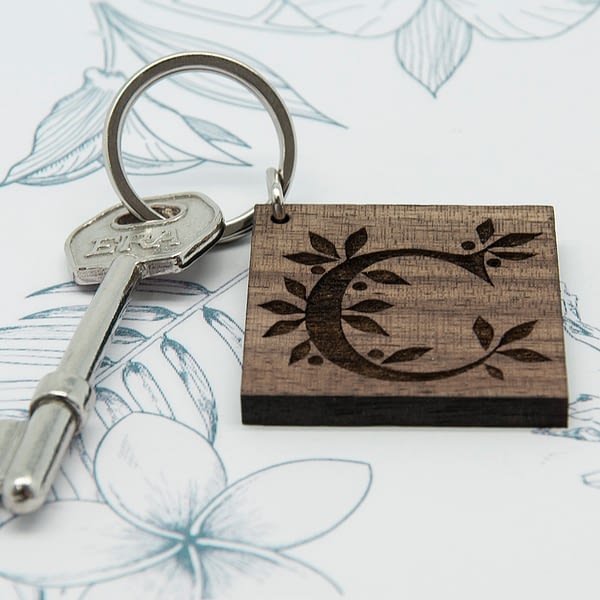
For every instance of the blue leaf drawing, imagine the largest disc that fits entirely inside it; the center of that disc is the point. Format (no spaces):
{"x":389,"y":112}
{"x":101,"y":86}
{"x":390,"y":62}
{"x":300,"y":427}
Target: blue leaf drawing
{"x":433,"y":44}
{"x":228,"y":330}
{"x":149,"y":43}
{"x":432,"y":36}
{"x":584,"y":420}
{"x":157,"y":139}
{"x":184,"y":532}
{"x":67,"y":143}
{"x":140,"y":384}
{"x":584,"y":412}
{"x":574,"y":325}
{"x":196,"y":383}
{"x":127,"y":335}
{"x":67,"y":313}
{"x":360,"y":18}
{"x":523,"y":19}
{"x":36,"y":345}
{"x":267,"y":15}
{"x":161,"y":286}
{"x":111,"y":408}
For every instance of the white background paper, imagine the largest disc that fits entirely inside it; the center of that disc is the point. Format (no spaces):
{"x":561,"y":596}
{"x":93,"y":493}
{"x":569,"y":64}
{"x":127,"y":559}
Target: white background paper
{"x":459,"y":513}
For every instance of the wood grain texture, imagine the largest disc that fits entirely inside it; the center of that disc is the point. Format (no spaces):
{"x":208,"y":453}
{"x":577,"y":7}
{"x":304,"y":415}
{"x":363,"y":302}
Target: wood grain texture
{"x":404,"y":315}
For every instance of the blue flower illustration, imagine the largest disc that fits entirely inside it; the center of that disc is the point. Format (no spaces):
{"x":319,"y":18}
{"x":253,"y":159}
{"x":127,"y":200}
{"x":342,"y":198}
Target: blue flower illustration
{"x":433,"y":37}
{"x":584,"y":411}
{"x":171,"y":527}
{"x":157,"y":138}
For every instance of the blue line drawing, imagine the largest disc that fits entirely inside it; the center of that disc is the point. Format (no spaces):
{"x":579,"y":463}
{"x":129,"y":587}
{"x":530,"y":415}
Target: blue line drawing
{"x":143,"y":485}
{"x":584,"y":418}
{"x":433,"y":44}
{"x":145,"y":326}
{"x":574,"y":325}
{"x":170,"y":522}
{"x":432,"y":37}
{"x":584,"y":412}
{"x":229,"y":331}
{"x":265,"y":15}
{"x":157,"y":138}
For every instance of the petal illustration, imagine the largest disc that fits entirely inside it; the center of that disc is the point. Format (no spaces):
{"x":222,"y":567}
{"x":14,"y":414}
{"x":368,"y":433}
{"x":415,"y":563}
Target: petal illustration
{"x":67,"y":143}
{"x":171,"y":578}
{"x":156,"y":139}
{"x":269,"y":15}
{"x":366,"y":18}
{"x":157,"y":473}
{"x":71,"y":543}
{"x":574,"y":324}
{"x":228,"y":330}
{"x":203,"y":418}
{"x":144,"y":390}
{"x":149,"y":43}
{"x":238,"y":572}
{"x":433,"y":44}
{"x":287,"y":504}
{"x":523,"y":19}
{"x":584,"y":420}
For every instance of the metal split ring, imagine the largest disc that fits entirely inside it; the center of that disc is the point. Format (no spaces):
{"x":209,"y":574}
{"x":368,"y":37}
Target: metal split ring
{"x":278,"y":180}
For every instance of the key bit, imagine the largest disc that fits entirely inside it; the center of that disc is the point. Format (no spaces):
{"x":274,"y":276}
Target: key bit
{"x":115,"y":250}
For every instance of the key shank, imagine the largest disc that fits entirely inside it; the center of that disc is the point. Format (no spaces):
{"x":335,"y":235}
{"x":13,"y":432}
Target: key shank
{"x":64,"y":398}
{"x":115,"y":250}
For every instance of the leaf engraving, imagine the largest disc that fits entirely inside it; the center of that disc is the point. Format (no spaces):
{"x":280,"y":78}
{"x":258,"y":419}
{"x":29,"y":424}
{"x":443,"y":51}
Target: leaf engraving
{"x":370,"y":306}
{"x":514,"y":255}
{"x":524,"y":355}
{"x":406,"y":354}
{"x":299,"y":352}
{"x":484,"y":332}
{"x":485,"y":230}
{"x":494,"y":372}
{"x":323,"y":245}
{"x":306,"y":258}
{"x":295,"y":288}
{"x":514,"y":239}
{"x":282,"y":327}
{"x":355,"y":242}
{"x":517,"y":333}
{"x":387,"y":277}
{"x":280,"y":307}
{"x":364,"y":324}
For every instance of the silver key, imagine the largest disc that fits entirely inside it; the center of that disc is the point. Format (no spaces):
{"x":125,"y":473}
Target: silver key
{"x":115,"y":250}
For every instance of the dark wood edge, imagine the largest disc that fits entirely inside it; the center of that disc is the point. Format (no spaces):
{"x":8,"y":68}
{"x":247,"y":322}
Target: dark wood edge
{"x":382,"y":411}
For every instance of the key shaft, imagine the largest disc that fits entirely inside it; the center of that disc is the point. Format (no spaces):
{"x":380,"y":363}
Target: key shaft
{"x":63,"y":399}
{"x":116,"y":251}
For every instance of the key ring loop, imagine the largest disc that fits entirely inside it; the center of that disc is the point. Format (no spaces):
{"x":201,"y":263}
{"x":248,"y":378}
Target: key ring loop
{"x":195,"y":61}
